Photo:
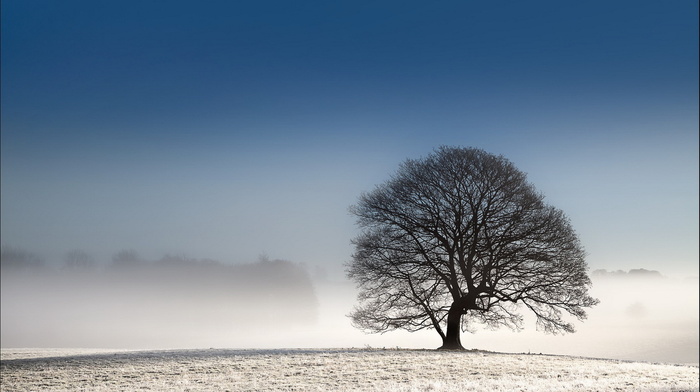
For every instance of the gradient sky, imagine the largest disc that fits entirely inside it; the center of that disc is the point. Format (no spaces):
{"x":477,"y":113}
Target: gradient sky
{"x":227,"y":130}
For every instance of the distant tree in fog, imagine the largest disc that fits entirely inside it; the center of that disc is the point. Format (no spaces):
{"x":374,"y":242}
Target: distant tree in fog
{"x":78,"y":260}
{"x":644,"y":273}
{"x":176,"y":261}
{"x":127,"y":258}
{"x":17,"y":259}
{"x":462,"y":237}
{"x":633,"y":273}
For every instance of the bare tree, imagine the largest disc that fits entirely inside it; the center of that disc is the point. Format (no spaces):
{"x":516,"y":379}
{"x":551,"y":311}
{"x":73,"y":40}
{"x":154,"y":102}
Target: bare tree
{"x":78,"y":260}
{"x":19,"y":259}
{"x":126,"y":258}
{"x":460,"y":237}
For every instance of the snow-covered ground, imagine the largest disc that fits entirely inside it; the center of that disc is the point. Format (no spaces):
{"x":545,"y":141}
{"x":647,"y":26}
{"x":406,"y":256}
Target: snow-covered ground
{"x":330,"y":370}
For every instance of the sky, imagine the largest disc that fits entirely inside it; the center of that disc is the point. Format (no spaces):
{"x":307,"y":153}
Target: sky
{"x":229,"y":130}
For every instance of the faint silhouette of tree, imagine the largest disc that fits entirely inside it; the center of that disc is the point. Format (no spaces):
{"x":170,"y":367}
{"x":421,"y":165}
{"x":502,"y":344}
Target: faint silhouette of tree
{"x":461,"y":237}
{"x":78,"y":260}
{"x":632,"y":274}
{"x":19,"y":259}
{"x":126,"y":258}
{"x":176,"y":261}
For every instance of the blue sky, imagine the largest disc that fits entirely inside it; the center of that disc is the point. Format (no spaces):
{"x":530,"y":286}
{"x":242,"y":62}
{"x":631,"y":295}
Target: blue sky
{"x":232,"y":129}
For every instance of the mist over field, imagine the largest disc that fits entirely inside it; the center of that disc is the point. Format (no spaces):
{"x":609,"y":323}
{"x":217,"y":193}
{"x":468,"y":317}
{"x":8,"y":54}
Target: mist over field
{"x":180,"y":302}
{"x":174,"y":302}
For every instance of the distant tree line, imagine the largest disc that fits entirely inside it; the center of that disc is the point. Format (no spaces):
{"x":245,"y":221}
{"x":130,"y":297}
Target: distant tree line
{"x":17,"y":259}
{"x":633,"y":273}
{"x":137,"y":302}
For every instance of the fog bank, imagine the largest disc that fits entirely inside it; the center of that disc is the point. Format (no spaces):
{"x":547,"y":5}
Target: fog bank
{"x":176,"y":302}
{"x":172,"y":303}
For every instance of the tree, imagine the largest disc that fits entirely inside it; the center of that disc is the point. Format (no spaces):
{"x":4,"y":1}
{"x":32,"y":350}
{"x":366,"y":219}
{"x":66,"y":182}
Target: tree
{"x":126,"y":258}
{"x":19,"y":259}
{"x":78,"y":260}
{"x":461,"y":238}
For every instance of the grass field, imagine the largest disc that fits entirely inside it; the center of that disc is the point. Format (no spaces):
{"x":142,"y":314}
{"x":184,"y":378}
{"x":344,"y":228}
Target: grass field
{"x":331,"y":370}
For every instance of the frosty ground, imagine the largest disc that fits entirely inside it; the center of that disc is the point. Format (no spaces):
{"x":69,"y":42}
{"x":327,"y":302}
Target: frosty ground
{"x":331,"y":370}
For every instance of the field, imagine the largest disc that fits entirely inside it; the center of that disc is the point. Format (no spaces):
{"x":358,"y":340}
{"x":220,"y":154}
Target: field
{"x":331,"y":370}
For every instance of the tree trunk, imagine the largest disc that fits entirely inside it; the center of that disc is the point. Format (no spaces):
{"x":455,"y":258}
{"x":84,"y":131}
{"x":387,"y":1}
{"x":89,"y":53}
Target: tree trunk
{"x":452,"y":340}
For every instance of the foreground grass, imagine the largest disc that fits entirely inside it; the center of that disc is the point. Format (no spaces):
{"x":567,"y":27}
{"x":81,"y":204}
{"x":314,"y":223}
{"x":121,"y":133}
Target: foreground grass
{"x":331,"y":370}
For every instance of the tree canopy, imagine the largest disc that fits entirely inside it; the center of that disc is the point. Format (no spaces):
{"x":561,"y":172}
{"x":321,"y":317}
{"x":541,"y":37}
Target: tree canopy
{"x":461,"y":237}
